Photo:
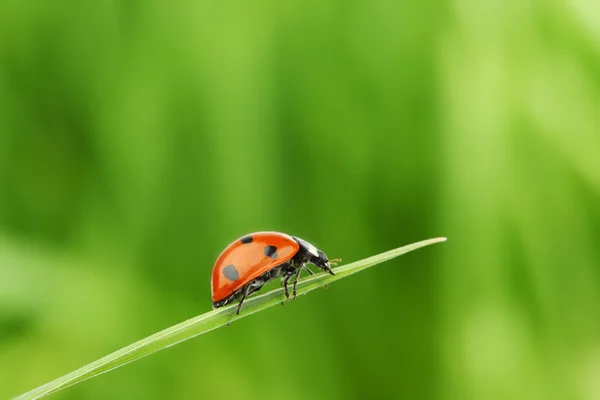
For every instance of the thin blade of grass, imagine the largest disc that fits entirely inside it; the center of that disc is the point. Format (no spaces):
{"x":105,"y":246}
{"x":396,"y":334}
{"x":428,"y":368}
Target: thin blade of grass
{"x":209,"y":321}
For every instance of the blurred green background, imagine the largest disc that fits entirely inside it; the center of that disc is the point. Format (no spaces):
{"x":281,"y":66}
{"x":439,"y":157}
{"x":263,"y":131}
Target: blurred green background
{"x":139,"y":138}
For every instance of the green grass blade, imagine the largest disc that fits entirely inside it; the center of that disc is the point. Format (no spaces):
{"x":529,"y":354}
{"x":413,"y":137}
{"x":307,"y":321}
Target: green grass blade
{"x":209,"y":321}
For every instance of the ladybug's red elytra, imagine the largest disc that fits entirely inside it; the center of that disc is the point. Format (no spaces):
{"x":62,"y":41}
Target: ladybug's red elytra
{"x":255,"y":259}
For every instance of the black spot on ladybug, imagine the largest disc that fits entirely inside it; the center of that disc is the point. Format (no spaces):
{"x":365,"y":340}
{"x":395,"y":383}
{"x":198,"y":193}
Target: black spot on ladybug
{"x":246,"y":239}
{"x":231,"y":273}
{"x":271,"y":251}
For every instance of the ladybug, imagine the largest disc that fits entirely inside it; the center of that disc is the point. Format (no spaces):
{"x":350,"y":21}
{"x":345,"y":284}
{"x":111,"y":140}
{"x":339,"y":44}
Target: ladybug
{"x":255,"y":259}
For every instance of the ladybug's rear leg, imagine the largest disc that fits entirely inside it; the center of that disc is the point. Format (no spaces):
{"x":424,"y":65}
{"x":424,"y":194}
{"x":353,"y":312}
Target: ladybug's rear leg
{"x":245,"y":293}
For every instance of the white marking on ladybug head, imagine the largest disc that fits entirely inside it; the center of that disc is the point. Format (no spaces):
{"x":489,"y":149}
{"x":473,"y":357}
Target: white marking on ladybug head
{"x":309,"y":247}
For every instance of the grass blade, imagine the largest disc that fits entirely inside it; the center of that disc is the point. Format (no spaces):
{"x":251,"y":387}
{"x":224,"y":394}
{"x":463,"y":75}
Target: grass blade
{"x":209,"y":321}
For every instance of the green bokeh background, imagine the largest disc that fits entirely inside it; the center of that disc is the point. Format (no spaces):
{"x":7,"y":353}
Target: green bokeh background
{"x":139,"y":138}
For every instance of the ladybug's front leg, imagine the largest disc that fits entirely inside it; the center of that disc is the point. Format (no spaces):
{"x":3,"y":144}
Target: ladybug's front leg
{"x":296,"y":280}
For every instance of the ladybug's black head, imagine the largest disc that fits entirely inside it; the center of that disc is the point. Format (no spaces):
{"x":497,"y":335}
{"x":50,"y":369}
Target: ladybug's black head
{"x":314,"y":255}
{"x":322,"y":262}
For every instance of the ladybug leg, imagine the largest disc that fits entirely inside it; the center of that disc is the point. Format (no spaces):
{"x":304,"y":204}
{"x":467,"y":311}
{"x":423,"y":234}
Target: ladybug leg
{"x":241,"y":303}
{"x":296,"y":281}
{"x":285,"y":285}
{"x":308,"y":270}
{"x":287,"y":271}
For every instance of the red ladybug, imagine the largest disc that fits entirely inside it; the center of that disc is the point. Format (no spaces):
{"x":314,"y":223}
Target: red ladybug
{"x":253,"y":260}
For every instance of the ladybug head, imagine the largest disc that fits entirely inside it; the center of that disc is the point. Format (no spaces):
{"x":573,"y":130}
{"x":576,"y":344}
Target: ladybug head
{"x":322,"y":261}
{"x":316,"y":256}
